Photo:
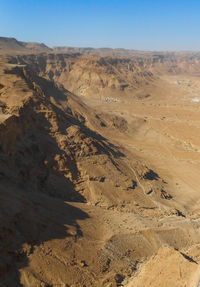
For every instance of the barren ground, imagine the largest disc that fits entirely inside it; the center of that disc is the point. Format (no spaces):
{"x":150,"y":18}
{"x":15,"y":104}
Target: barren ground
{"x":99,"y":186}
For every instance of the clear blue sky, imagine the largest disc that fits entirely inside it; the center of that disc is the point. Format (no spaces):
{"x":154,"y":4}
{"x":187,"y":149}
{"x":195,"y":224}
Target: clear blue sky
{"x":134,"y":24}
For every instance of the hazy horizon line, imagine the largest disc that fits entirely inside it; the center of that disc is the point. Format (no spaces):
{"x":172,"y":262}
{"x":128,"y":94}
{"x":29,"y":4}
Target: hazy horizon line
{"x":103,"y":47}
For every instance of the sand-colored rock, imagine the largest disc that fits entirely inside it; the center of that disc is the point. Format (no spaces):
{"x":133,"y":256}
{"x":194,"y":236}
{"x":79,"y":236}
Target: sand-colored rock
{"x":167,"y":268}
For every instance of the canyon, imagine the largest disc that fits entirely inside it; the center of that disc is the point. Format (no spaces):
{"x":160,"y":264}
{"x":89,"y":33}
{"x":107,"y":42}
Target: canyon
{"x":99,"y":174}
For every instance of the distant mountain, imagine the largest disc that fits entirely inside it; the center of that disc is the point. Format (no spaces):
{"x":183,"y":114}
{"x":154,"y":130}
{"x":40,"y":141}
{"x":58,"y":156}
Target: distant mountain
{"x":13,"y":45}
{"x":100,"y":51}
{"x":121,"y":52}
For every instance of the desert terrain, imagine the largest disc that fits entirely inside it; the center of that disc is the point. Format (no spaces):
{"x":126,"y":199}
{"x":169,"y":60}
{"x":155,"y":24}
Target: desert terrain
{"x":99,"y":173}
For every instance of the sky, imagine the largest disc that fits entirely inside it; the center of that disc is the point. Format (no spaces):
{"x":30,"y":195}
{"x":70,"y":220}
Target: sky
{"x":131,"y":24}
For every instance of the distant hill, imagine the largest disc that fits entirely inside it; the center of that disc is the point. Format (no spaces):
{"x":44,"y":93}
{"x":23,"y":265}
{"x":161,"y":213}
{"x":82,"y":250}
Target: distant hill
{"x":12,"y":45}
{"x":119,"y":52}
{"x":99,"y":51}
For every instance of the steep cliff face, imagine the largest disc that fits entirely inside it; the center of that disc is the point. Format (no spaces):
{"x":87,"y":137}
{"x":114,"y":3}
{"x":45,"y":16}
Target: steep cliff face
{"x":50,"y":142}
{"x":101,"y":77}
{"x":89,"y":76}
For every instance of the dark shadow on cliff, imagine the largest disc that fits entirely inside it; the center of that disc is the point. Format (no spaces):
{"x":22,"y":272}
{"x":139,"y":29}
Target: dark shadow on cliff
{"x":31,"y":219}
{"x":33,"y":191}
